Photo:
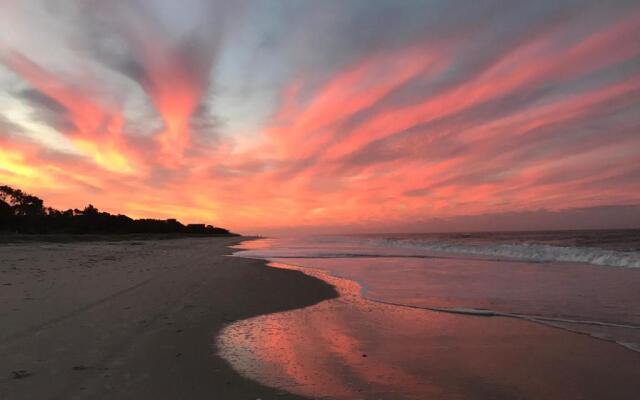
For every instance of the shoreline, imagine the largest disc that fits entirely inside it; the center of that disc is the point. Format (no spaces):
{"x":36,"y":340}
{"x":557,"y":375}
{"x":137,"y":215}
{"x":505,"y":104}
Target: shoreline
{"x":354,"y":347}
{"x":118,"y":320}
{"x":555,"y":323}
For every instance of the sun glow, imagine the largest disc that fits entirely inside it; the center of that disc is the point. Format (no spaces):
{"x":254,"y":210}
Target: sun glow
{"x":431,"y":126}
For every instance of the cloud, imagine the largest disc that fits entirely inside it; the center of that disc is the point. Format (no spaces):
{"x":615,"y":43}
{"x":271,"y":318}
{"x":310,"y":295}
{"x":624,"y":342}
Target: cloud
{"x":369,"y":114}
{"x":173,"y":66}
{"x":46,"y":109}
{"x":7,"y":128}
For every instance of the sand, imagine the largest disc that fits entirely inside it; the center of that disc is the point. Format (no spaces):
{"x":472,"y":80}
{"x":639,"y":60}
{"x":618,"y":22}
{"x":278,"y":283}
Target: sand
{"x":133,"y":319}
{"x":142,"y":320}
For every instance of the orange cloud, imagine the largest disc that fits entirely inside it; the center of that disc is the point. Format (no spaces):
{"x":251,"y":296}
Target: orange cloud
{"x":96,"y":130}
{"x":395,"y":137}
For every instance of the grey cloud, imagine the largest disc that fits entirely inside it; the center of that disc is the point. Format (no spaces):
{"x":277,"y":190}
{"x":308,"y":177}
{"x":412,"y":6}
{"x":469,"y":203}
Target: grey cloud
{"x":8,"y":128}
{"x":41,"y":100}
{"x":46,"y":109}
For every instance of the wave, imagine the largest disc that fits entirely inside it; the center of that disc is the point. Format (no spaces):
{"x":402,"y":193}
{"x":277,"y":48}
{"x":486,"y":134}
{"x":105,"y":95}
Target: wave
{"x":383,"y":248}
{"x":519,"y":251}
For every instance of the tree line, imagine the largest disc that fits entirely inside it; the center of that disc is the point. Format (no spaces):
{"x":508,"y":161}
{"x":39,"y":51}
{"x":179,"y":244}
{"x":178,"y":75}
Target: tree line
{"x":24,"y":213}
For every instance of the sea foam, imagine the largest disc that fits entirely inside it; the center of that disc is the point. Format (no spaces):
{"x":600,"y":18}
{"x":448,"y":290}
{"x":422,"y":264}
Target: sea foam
{"x":520,"y":251}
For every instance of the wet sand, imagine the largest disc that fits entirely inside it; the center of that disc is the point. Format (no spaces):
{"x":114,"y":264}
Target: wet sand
{"x":353,"y":348}
{"x":133,"y":319}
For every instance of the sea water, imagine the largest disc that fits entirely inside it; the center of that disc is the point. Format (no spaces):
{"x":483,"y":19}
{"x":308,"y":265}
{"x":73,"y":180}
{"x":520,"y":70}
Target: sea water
{"x":583,"y":281}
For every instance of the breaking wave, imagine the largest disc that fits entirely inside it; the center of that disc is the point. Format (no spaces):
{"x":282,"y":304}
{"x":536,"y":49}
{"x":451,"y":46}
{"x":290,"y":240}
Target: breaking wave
{"x":521,"y":251}
{"x":349,"y":247}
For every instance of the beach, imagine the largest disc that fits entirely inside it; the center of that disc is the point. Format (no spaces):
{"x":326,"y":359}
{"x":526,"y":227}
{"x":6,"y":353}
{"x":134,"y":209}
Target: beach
{"x":181,"y":319}
{"x":329,"y":200}
{"x":133,"y":319}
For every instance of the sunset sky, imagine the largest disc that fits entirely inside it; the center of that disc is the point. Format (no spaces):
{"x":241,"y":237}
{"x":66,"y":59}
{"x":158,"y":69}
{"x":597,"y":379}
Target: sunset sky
{"x":351,"y":115}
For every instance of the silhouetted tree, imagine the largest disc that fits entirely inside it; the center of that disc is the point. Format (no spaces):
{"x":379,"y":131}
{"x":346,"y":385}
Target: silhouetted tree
{"x":22,"y":203}
{"x":21,"y":212}
{"x":6,"y":215}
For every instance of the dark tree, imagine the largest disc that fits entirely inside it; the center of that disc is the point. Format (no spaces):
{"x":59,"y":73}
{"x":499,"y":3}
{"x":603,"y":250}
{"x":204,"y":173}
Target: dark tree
{"x":24,"y":213}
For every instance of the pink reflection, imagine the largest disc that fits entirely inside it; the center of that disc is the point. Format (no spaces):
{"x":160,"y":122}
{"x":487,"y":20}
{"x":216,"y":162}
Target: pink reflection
{"x":349,"y":348}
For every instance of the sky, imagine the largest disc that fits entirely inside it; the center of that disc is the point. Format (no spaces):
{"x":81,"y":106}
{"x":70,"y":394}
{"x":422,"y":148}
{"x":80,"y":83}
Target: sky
{"x":327,"y":116}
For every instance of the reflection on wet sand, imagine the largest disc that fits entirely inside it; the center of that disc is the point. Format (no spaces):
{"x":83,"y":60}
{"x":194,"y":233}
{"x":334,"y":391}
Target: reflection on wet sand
{"x":350,"y":348}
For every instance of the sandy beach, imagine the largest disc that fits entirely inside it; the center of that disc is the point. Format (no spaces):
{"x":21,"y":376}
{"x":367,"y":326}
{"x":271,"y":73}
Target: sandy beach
{"x":180,"y":319}
{"x":440,"y":200}
{"x":133,"y":319}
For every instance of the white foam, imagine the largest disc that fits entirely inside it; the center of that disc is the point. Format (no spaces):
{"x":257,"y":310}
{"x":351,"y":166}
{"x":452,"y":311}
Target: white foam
{"x":444,"y":249}
{"x":521,"y":251}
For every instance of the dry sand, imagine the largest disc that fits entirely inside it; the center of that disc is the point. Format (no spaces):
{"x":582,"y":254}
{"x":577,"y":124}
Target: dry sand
{"x":133,"y":319}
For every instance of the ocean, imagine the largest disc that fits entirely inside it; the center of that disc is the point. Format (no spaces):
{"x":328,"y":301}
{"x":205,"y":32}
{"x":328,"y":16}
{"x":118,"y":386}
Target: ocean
{"x":459,"y":315}
{"x":583,"y":281}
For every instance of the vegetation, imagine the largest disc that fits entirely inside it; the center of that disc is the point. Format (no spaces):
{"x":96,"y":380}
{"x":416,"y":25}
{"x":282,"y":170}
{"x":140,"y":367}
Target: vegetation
{"x":23,"y":213}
